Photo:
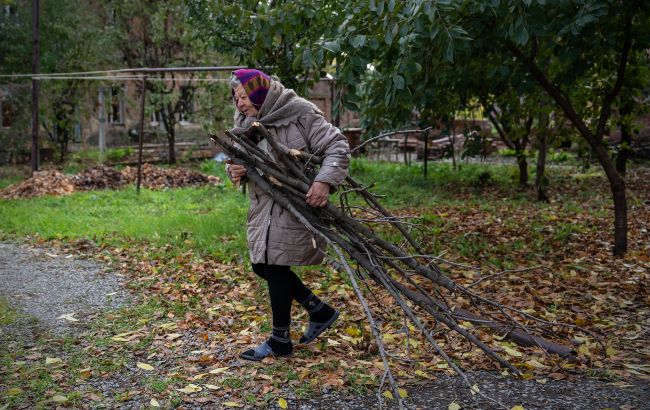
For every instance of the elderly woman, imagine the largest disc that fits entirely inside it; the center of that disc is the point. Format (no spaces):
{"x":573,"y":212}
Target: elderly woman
{"x":276,"y":239}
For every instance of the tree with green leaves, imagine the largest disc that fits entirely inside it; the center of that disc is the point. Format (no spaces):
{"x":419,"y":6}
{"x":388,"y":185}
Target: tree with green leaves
{"x":278,"y":36}
{"x":577,"y":52}
{"x":160,"y":34}
{"x":71,"y":40}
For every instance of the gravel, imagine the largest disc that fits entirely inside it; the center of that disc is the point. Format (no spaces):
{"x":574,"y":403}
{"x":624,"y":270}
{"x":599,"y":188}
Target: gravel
{"x":45,"y":285}
{"x":579,"y":394}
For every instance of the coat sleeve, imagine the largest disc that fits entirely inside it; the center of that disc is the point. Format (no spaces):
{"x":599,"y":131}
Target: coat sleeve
{"x":326,"y":140}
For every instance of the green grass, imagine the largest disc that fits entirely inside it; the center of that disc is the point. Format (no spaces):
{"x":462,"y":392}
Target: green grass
{"x":207,"y":220}
{"x":211,"y":220}
{"x":7,"y":314}
{"x":407,"y":186}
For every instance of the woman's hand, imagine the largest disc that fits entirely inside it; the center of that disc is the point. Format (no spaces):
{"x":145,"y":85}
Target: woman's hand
{"x":237,"y":172}
{"x":318,"y":194}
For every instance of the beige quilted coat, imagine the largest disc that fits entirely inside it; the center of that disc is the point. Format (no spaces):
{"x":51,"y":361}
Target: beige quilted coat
{"x":274,"y":235}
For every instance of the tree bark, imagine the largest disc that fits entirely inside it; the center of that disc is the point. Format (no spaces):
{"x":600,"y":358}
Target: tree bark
{"x":540,"y":173}
{"x":624,"y":149}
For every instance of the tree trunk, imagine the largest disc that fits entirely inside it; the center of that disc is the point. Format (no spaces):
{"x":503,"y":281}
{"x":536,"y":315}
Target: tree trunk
{"x":171,"y":139}
{"x":624,"y":149}
{"x":523,"y":169}
{"x":540,"y":174}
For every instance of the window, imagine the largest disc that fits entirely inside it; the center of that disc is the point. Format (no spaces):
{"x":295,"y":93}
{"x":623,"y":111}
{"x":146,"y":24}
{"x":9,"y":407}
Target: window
{"x":116,"y":105}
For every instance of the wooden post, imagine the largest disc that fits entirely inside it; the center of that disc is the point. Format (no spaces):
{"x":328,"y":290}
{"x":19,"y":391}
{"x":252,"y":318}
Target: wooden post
{"x":426,"y":151}
{"x":142,"y":103}
{"x":35,"y":69}
{"x":102,"y":124}
{"x":406,"y":140}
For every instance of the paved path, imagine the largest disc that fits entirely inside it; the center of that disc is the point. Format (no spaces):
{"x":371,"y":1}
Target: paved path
{"x":52,"y":291}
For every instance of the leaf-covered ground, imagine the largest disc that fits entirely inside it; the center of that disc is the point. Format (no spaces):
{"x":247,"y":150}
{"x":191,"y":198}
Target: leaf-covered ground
{"x":196,"y":311}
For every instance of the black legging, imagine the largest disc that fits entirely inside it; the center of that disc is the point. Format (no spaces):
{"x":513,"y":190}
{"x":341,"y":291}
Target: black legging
{"x":284,"y":286}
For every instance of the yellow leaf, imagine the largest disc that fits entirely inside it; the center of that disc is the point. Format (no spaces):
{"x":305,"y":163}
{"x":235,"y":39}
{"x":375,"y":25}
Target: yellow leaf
{"x":353,"y":331}
{"x":53,"y":360}
{"x":219,"y":370}
{"x":145,"y":366}
{"x":154,"y":403}
{"x":611,"y":351}
{"x":512,"y":352}
{"x":59,"y":399}
{"x":474,"y":390}
{"x":388,"y":395}
{"x":282,"y":403}
{"x":15,"y":391}
{"x":535,"y":363}
{"x":211,"y":387}
{"x":232,"y":404}
{"x":402,"y":393}
{"x":453,"y":406}
{"x":518,"y":407}
{"x":190,"y":388}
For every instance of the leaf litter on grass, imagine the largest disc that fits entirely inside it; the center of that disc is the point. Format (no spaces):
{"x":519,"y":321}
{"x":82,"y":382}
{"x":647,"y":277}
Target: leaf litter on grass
{"x":210,"y":311}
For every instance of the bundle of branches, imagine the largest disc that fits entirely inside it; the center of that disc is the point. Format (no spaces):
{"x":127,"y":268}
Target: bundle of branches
{"x":284,"y":175}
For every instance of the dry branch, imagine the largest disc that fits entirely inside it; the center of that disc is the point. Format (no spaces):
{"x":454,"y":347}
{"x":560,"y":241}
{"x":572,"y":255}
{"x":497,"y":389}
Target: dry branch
{"x":396,"y":269}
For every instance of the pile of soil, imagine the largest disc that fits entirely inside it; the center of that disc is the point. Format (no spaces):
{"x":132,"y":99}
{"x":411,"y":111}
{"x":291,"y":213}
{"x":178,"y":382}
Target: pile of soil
{"x":102,"y":177}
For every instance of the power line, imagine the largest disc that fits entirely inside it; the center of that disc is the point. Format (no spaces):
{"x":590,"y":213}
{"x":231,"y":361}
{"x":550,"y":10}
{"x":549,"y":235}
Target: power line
{"x":131,"y":78}
{"x":129,"y":70}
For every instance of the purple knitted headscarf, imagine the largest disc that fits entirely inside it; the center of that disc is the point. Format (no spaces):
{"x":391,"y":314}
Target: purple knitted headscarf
{"x":256,"y":84}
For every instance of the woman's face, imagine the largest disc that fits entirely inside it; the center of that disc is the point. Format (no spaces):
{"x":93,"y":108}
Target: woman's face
{"x":243,"y":103}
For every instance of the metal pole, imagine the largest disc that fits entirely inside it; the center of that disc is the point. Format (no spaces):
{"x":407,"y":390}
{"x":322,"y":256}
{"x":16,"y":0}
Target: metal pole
{"x":102,"y":124}
{"x":142,"y":100}
{"x":426,"y":151}
{"x":35,"y":68}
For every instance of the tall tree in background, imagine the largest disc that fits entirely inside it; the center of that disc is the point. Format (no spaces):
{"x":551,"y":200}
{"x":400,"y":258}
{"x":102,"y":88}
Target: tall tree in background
{"x":159,"y":34}
{"x":71,"y":40}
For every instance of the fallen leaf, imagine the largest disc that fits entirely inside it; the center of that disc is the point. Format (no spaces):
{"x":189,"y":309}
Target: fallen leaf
{"x":190,"y":388}
{"x":211,"y":387}
{"x":154,"y":403}
{"x":474,"y":390}
{"x":453,"y":406}
{"x":353,"y":331}
{"x":52,"y":360}
{"x":512,"y":352}
{"x":219,"y":370}
{"x":69,"y":317}
{"x":145,"y":366}
{"x":59,"y":399}
{"x":403,"y":393}
{"x":518,"y":407}
{"x":388,"y":395}
{"x":282,"y":403}
{"x":15,"y":391}
{"x":232,"y":404}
